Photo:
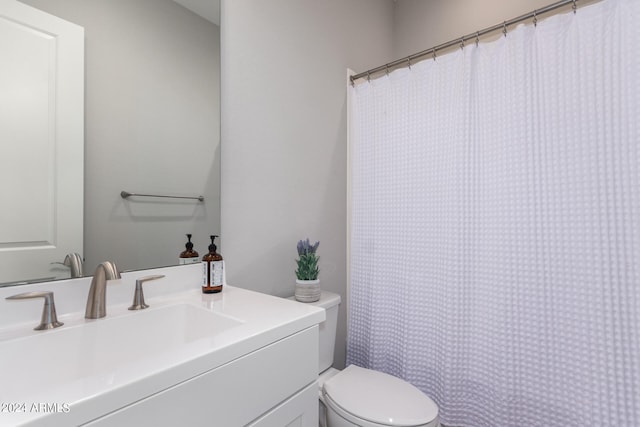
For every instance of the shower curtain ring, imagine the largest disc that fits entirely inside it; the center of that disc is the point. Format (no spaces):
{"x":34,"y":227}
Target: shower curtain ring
{"x":462,"y":43}
{"x":504,"y":28}
{"x":477,"y":38}
{"x":409,"y":62}
{"x":369,"y":76}
{"x":574,"y":7}
{"x":387,"y":69}
{"x":434,"y":54}
{"x":535,"y":18}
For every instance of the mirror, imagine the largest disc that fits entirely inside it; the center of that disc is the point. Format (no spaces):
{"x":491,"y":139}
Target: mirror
{"x":151,"y":126}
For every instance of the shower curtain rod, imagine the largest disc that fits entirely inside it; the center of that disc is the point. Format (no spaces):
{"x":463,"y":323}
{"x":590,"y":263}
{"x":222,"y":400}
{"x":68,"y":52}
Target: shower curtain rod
{"x":406,"y":61}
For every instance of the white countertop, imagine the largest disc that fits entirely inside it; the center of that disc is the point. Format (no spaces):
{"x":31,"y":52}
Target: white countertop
{"x":130,"y":355}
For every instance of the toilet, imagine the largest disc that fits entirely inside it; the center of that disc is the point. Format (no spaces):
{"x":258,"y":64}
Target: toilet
{"x":362,"y":397}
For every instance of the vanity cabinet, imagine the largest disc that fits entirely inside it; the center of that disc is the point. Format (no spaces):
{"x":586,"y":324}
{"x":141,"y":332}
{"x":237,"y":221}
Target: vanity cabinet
{"x":275,"y":385}
{"x":230,"y":359}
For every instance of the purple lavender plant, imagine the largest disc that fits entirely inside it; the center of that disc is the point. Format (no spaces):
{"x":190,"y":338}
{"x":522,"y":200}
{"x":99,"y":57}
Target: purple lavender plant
{"x":308,"y":261}
{"x":305,"y":247}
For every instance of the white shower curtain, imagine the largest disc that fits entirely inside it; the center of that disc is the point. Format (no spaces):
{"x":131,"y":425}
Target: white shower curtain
{"x":495,"y":224}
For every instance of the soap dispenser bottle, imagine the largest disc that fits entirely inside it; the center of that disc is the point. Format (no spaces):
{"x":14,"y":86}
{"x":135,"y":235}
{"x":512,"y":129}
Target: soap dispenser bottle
{"x":212,"y":270}
{"x":189,"y":256}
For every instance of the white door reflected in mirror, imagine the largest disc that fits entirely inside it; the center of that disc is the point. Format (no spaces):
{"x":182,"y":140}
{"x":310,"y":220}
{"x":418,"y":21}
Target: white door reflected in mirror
{"x":41,"y":126}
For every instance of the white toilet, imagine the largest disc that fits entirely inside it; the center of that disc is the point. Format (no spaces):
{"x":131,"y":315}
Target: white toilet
{"x":363,"y":397}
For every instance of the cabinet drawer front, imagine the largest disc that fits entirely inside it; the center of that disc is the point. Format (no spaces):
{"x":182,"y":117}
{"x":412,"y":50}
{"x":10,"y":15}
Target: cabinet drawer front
{"x":300,"y":410}
{"x":233,"y":394}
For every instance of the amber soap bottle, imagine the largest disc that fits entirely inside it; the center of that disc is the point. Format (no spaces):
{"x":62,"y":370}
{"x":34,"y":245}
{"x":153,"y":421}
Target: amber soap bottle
{"x":212,"y":269}
{"x":189,"y":256}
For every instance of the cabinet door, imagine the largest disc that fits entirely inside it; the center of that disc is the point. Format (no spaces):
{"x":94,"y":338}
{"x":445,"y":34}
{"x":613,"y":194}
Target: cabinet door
{"x":41,"y":142}
{"x":231,"y":395}
{"x":301,"y":410}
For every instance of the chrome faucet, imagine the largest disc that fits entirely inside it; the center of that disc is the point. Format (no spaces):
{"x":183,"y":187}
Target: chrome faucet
{"x":96,"y":301}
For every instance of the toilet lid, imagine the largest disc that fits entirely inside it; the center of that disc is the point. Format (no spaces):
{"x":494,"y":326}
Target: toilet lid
{"x":380,"y":398}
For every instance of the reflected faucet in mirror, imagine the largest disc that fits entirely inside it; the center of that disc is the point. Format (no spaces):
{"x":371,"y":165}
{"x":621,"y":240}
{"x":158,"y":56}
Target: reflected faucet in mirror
{"x":96,"y":300}
{"x":75,"y":263}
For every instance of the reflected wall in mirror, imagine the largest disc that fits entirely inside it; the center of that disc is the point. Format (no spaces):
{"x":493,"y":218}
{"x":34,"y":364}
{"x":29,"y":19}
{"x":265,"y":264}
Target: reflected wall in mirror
{"x":152,"y":125}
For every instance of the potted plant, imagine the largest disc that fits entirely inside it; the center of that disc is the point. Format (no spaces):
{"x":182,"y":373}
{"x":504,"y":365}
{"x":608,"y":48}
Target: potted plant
{"x":307,"y":282}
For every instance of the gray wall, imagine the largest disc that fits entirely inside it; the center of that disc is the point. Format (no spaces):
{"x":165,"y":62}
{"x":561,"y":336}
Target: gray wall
{"x":284,"y":134}
{"x":151,"y":126}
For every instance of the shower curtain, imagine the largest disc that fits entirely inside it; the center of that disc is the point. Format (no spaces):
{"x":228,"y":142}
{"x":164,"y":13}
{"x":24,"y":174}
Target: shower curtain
{"x":495,"y":224}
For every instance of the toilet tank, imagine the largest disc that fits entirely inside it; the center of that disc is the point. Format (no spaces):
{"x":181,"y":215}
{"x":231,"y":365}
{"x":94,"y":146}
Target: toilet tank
{"x":330,"y":302}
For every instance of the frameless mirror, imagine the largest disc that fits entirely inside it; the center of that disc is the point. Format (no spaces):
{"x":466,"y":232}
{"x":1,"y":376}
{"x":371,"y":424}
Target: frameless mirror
{"x":151,"y":126}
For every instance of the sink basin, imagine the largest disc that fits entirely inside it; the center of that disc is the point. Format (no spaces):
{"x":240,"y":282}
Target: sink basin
{"x":109,"y":350}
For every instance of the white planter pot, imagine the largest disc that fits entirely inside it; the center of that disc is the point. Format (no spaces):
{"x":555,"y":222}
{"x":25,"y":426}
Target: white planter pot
{"x":307,"y":290}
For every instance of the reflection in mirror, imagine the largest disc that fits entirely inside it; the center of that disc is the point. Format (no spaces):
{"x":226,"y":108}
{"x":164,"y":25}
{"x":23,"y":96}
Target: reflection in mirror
{"x":152,"y":126}
{"x":41,"y":130}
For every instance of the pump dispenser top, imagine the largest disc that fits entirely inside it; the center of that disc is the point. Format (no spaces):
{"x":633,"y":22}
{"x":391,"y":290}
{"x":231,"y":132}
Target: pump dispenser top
{"x":188,"y":256}
{"x":212,"y":246}
{"x":212,"y":269}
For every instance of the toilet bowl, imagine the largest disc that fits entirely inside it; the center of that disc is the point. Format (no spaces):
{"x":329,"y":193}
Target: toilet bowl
{"x":362,"y":397}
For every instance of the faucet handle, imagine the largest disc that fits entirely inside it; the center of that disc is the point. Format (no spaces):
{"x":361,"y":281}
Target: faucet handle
{"x":49,"y":319}
{"x":138,"y":296}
